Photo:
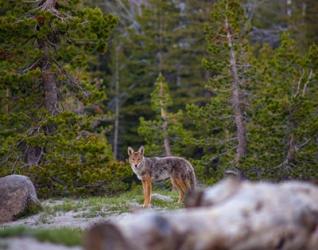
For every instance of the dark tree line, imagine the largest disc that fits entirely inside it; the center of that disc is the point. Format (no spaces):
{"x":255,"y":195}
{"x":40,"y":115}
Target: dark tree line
{"x":224,"y":83}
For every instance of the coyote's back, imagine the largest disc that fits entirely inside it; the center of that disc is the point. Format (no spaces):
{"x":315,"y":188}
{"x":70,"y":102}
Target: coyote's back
{"x":177,"y":168}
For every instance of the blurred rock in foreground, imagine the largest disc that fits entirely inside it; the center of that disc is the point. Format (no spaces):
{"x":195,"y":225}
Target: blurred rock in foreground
{"x":234,"y":214}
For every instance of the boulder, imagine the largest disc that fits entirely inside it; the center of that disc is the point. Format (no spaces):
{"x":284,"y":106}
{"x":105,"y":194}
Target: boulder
{"x":17,"y":197}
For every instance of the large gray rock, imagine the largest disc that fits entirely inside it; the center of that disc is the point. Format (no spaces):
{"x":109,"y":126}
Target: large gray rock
{"x":17,"y":197}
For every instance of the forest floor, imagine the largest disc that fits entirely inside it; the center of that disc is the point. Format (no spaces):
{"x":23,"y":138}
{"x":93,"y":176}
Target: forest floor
{"x":62,"y":222}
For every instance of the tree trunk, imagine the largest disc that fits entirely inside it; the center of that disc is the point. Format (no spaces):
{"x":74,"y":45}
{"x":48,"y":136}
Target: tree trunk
{"x":166,"y":140}
{"x":50,"y":90}
{"x":6,"y":106}
{"x":48,"y":77}
{"x":236,"y":99}
{"x":291,"y":152}
{"x":160,"y":52}
{"x":49,"y":86}
{"x":116,"y":124}
{"x":289,"y":7}
{"x":48,"y":4}
{"x":33,"y":154}
{"x":233,"y":215}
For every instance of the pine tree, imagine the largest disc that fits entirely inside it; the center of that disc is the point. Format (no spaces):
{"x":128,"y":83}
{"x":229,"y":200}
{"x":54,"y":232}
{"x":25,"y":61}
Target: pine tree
{"x":163,"y":135}
{"x":283,"y":126}
{"x":157,"y":36}
{"x":52,"y":101}
{"x":270,"y":18}
{"x":219,"y":128}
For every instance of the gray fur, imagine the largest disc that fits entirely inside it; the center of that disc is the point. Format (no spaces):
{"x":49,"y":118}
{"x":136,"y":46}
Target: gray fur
{"x":161,"y":168}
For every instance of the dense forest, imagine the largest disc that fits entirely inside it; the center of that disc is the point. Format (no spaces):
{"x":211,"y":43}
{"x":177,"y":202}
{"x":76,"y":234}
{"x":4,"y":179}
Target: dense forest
{"x":223,"y":83}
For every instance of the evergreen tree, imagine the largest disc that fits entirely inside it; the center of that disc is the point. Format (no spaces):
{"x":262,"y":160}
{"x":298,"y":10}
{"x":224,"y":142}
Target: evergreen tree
{"x":223,"y":142}
{"x":52,"y":102}
{"x":270,"y":18}
{"x":147,"y":50}
{"x":284,"y":125}
{"x":157,"y":36}
{"x":276,"y":97}
{"x":164,"y":135}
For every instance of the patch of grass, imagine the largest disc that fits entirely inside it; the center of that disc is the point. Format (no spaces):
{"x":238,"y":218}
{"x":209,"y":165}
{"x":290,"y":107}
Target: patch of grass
{"x":122,"y":203}
{"x":65,"y":206}
{"x":63,"y":236}
{"x":166,"y":205}
{"x":104,"y":206}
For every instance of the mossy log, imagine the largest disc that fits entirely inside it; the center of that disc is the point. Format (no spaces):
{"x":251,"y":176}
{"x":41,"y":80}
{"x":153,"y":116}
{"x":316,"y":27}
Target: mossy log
{"x":230,"y":215}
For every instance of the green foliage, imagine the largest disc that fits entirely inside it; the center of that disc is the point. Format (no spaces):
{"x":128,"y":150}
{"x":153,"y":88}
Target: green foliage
{"x":65,"y":152}
{"x":157,"y":36}
{"x":93,"y":175}
{"x":153,"y":131}
{"x":284,"y":123}
{"x":212,"y":126}
{"x":160,"y":97}
{"x":279,"y":101}
{"x":296,"y":16}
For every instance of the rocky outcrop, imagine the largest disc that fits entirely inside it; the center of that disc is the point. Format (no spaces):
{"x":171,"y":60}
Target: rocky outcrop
{"x":17,"y":197}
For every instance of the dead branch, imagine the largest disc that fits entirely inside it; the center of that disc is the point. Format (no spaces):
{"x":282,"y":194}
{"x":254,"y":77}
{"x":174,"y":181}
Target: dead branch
{"x":307,"y":82}
{"x":70,"y":78}
{"x":33,"y":65}
{"x":299,"y":83}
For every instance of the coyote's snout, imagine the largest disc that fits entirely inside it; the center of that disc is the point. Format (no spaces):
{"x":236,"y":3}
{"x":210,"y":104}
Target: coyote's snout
{"x":179,"y":170}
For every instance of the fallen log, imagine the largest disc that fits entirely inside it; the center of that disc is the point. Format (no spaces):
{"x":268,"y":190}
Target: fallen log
{"x":230,"y":215}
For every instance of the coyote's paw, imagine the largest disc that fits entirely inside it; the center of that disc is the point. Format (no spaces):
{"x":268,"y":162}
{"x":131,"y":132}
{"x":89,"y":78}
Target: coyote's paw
{"x":146,"y":205}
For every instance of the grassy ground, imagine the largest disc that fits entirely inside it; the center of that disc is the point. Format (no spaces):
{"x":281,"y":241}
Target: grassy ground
{"x":105,"y":205}
{"x":64,"y":236}
{"x":89,"y":207}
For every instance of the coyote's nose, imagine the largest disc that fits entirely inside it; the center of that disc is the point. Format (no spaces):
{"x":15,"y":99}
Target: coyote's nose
{"x":136,"y":165}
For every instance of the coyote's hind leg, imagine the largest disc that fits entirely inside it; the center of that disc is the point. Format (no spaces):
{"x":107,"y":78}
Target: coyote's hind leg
{"x":177,"y":183}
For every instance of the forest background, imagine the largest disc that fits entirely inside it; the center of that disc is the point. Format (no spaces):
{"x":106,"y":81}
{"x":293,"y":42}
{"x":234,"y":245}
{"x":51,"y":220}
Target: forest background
{"x":223,"y":83}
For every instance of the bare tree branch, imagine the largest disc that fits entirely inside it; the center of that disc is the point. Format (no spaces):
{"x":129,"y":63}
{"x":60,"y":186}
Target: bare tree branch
{"x":32,"y":66}
{"x":307,"y":82}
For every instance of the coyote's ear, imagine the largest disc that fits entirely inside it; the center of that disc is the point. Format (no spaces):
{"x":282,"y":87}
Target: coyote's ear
{"x":130,"y":150}
{"x":141,"y":150}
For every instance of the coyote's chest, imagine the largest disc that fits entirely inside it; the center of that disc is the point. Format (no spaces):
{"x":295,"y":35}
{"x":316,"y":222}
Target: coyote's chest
{"x":138,"y":172}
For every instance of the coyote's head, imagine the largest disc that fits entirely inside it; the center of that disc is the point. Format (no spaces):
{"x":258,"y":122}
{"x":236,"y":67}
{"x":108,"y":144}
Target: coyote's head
{"x":135,"y":158}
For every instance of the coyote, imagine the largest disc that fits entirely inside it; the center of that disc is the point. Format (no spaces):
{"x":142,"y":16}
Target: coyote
{"x":179,"y":170}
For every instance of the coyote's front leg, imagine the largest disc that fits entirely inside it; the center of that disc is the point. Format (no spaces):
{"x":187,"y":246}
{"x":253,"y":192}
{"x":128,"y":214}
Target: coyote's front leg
{"x":147,"y":188}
